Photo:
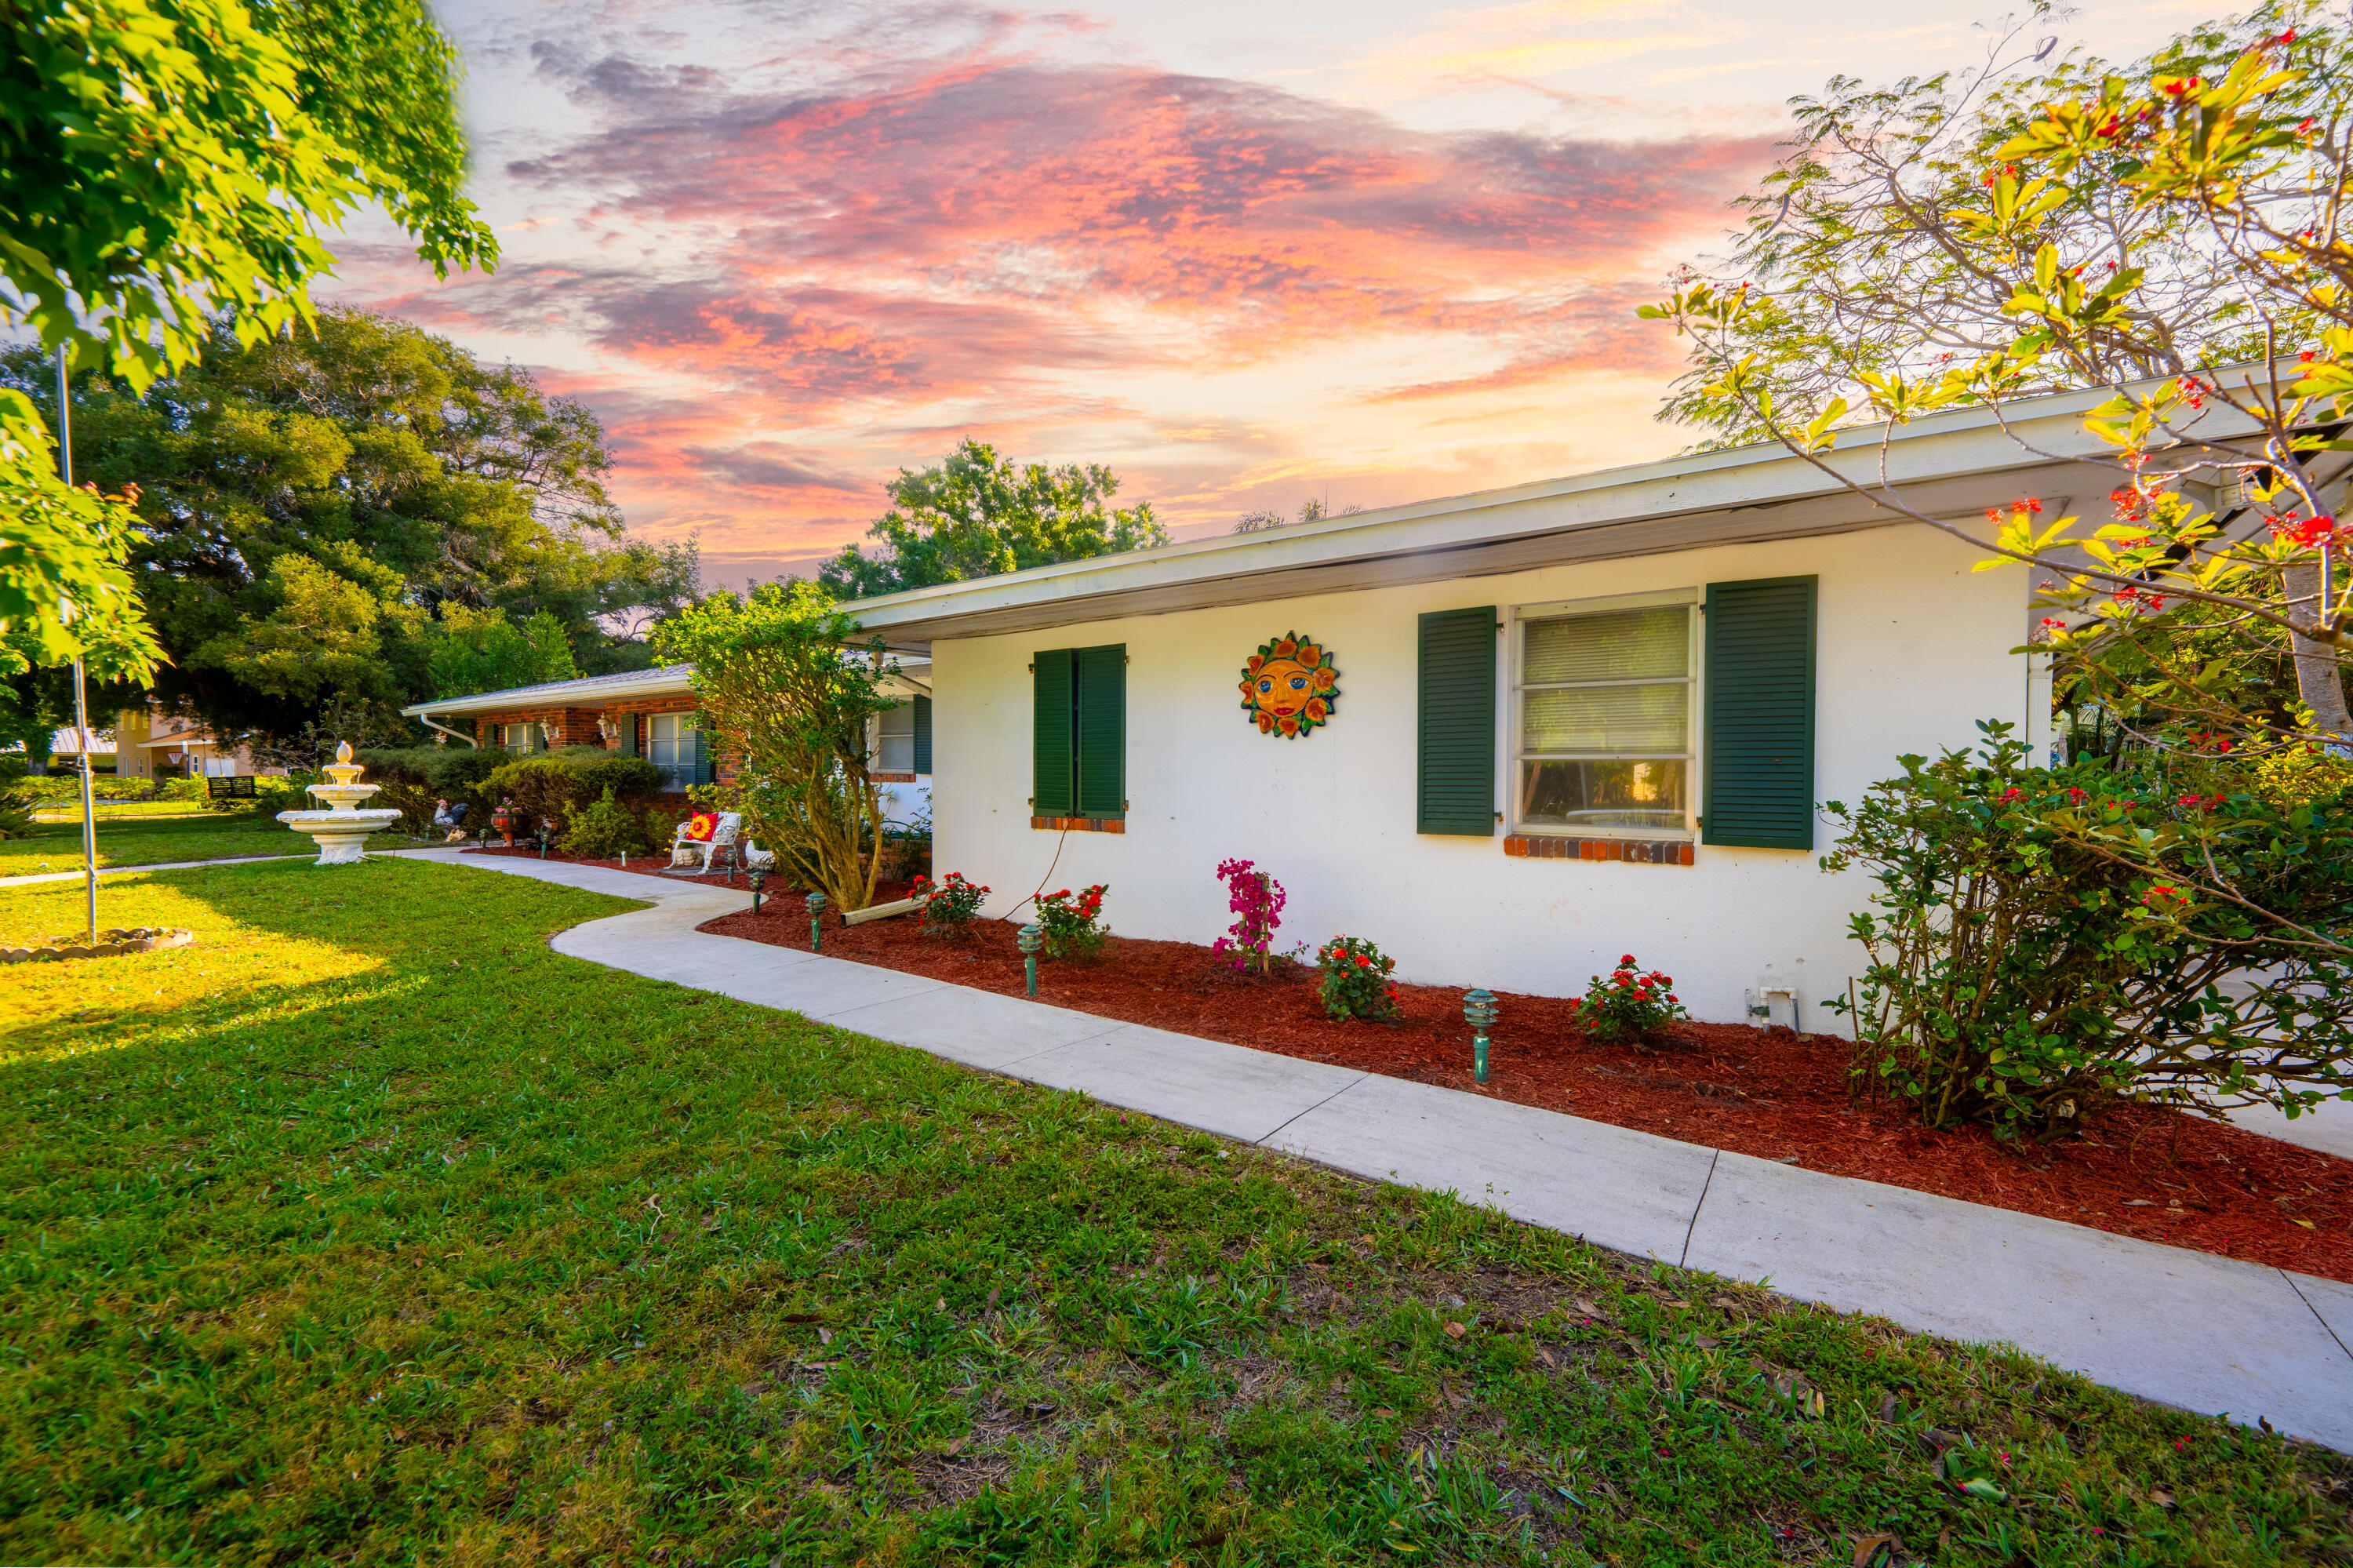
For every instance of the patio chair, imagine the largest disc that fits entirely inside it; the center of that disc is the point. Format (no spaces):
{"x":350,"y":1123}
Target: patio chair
{"x":697,"y":853}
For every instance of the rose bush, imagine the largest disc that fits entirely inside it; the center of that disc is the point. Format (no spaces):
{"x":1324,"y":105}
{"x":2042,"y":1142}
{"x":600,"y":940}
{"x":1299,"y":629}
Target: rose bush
{"x":948,"y":905}
{"x":1630,"y":1005}
{"x":1355,"y":980}
{"x":1072,"y":922}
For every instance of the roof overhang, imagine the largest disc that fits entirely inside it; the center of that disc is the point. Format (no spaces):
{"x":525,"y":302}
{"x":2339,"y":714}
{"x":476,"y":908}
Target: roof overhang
{"x":671,"y":681}
{"x":1952,"y":465}
{"x":560,"y":694}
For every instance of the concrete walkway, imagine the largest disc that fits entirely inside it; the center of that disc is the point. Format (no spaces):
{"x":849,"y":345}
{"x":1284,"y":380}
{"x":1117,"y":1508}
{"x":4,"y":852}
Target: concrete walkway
{"x":2207,"y":1333}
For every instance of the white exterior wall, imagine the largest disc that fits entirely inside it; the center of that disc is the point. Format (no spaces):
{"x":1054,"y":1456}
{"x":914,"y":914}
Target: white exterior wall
{"x":905,"y":803}
{"x":1913,"y":649}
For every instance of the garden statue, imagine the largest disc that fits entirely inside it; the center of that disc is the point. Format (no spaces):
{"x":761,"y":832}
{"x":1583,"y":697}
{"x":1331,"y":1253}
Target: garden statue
{"x":342,"y":831}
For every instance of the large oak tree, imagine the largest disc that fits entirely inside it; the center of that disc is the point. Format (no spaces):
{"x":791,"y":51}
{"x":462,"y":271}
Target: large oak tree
{"x":322,"y":514}
{"x":167,"y":164}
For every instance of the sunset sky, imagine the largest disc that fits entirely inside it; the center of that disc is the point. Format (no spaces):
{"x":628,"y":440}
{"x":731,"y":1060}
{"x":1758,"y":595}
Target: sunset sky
{"x":1245,"y":254}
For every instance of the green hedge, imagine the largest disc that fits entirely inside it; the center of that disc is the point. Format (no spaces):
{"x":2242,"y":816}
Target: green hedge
{"x":67,"y":786}
{"x":455,"y":771}
{"x":556,"y":784}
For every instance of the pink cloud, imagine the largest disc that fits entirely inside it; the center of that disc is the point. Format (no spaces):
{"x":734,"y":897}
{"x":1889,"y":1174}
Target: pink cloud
{"x":1012,"y":245}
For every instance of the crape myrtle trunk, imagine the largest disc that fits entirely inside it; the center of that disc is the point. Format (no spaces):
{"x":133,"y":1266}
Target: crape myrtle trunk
{"x":2319,"y":678}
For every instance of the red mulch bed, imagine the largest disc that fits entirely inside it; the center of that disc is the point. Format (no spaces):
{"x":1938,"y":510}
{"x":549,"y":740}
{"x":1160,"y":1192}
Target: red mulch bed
{"x":2159,"y":1175}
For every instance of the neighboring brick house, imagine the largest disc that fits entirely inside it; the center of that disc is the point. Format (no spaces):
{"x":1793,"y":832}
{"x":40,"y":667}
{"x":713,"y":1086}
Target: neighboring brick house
{"x":646,"y":712}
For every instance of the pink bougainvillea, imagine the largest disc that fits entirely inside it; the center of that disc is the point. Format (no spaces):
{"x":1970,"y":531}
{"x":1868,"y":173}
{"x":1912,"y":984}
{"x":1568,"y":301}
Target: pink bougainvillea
{"x":1256,"y":900}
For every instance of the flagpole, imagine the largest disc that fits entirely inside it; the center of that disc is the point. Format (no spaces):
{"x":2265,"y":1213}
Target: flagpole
{"x":81,"y":698}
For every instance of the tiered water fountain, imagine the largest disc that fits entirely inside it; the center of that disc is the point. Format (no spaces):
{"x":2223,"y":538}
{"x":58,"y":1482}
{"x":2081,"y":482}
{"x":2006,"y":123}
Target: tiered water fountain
{"x":342,"y":829}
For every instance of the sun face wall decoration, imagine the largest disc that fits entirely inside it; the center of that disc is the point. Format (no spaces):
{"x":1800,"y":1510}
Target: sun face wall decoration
{"x":1289,"y":687}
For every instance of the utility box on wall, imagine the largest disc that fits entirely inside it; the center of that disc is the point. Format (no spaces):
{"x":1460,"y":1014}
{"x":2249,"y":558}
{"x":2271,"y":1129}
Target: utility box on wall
{"x":1773,"y":1003}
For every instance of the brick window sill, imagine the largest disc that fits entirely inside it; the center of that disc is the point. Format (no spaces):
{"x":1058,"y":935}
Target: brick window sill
{"x":1080,"y":824}
{"x":894,"y":777}
{"x":1636,"y":851}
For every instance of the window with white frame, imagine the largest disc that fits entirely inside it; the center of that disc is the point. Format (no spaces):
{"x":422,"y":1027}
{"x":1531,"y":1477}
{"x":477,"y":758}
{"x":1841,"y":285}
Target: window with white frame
{"x":670,"y":746}
{"x":895,"y":741}
{"x":1603,"y":703}
{"x":516,"y":737}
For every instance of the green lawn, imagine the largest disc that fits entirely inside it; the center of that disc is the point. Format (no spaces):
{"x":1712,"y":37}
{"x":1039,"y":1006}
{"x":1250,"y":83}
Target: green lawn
{"x":71,"y":811}
{"x":368,"y":1230}
{"x":147,"y":833}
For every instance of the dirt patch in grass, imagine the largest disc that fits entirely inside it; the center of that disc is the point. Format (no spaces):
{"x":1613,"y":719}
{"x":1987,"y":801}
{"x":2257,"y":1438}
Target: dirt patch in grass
{"x":2181,"y":1179}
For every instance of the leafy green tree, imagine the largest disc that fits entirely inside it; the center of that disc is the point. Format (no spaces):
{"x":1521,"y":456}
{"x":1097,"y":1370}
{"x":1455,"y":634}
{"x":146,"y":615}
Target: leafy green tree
{"x":162,"y":161}
{"x":2174,"y":233}
{"x":36,"y":700}
{"x":315,"y":511}
{"x":976,"y":514}
{"x":482,"y":651}
{"x":782,"y":678}
{"x":64,"y":593}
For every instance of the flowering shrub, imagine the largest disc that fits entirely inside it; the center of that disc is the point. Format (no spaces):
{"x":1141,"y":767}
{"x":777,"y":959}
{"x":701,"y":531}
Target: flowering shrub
{"x":1630,"y":1005}
{"x":1256,"y":900}
{"x":949,"y":904}
{"x":2047,"y":940}
{"x":1355,"y":980}
{"x":1072,"y":925}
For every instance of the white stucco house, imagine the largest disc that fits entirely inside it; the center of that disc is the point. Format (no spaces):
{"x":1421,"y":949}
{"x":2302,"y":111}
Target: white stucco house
{"x":1572,"y":720}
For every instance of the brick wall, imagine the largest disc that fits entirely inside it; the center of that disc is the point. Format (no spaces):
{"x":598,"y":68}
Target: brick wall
{"x":575,"y":726}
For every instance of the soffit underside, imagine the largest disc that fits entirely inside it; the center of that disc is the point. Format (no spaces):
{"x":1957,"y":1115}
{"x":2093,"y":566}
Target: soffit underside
{"x":1815,"y":516}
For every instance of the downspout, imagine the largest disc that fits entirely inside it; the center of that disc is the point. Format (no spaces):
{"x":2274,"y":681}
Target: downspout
{"x":445,"y":729}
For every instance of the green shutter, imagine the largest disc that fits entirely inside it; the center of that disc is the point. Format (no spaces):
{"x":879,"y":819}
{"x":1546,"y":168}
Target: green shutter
{"x":1054,"y":792}
{"x":1758,"y":734}
{"x":1102,"y":731}
{"x":922,"y":735}
{"x":706,"y":755}
{"x":625,"y":736}
{"x":1457,"y":788}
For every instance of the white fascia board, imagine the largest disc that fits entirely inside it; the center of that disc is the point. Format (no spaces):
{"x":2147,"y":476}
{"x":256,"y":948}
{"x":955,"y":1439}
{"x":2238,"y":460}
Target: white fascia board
{"x":1753,"y":480}
{"x":654,"y":684}
{"x":556,"y":693}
